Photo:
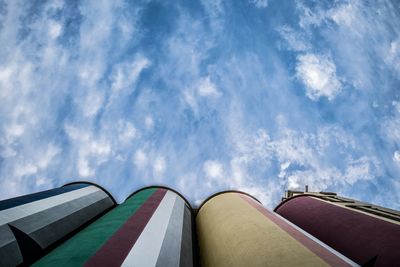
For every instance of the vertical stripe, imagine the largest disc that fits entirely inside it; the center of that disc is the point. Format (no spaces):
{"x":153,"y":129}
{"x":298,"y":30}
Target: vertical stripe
{"x":358,"y":236}
{"x":118,"y":246}
{"x":233,"y":233}
{"x":18,"y":212}
{"x":78,"y":249}
{"x":146,"y":250}
{"x":317,"y":249}
{"x":39,"y":224}
{"x":17,"y":201}
{"x":350,"y":262}
{"x":171,"y":246}
{"x":42,"y":218}
{"x":47,"y":226}
{"x":187,"y":241}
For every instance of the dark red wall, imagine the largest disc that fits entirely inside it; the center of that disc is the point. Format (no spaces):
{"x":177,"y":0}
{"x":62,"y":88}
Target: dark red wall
{"x":362,"y":238}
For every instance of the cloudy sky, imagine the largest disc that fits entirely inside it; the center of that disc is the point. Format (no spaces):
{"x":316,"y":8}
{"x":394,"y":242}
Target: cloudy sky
{"x":202,"y":96}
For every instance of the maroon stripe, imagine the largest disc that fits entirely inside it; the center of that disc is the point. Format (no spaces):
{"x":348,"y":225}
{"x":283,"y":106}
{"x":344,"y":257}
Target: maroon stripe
{"x":115,"y":250}
{"x":360,"y":237}
{"x":313,"y":246}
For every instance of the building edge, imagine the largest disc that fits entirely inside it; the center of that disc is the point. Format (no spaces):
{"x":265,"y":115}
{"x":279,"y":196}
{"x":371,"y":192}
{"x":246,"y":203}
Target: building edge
{"x":96,"y":185}
{"x":224,"y":192}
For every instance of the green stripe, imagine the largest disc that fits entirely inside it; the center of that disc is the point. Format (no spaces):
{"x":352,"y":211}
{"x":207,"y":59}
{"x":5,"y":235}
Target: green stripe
{"x":77,"y":250}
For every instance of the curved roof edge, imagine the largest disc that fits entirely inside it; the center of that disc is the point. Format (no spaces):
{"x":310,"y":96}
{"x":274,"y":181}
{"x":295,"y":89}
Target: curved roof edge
{"x":164,"y":187}
{"x":224,"y":192}
{"x":94,"y":184}
{"x":290,"y":198}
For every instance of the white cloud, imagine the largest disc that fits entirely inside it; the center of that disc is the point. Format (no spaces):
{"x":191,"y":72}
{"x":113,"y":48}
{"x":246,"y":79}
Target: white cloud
{"x":45,"y":159}
{"x":396,"y":105}
{"x":94,"y":102}
{"x":207,"y":88}
{"x":6,"y":73}
{"x":75,"y":134}
{"x":368,"y":34}
{"x":92,"y":151}
{"x":159,"y":165}
{"x":100,"y":148}
{"x":190,"y":99}
{"x":91,"y":155}
{"x":54,"y":74}
{"x":259,"y":3}
{"x":390,"y":128}
{"x":392,"y":56}
{"x":295,"y":41}
{"x":140,"y":159}
{"x":346,"y":15}
{"x":149,"y":122}
{"x":125,"y":75}
{"x":318,"y":74}
{"x":127,"y":132}
{"x":360,"y":169}
{"x":40,"y":181}
{"x":213,"y":168}
{"x":396,"y":156}
{"x":309,"y":17}
{"x":40,"y":163}
{"x":14,"y":130}
{"x":27,"y":169}
{"x":328,"y":157}
{"x":215,"y":10}
{"x":215,"y":175}
{"x":283,"y":167}
{"x":55,"y":29}
{"x":84,"y":169}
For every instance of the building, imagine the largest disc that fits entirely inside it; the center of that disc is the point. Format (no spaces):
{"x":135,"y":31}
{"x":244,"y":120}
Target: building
{"x":367,"y":234}
{"x":152,"y":227}
{"x":80,"y":224}
{"x":32,"y":225}
{"x":234,"y":229}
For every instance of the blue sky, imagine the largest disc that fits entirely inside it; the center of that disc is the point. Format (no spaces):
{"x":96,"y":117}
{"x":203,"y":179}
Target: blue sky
{"x":202,"y":96}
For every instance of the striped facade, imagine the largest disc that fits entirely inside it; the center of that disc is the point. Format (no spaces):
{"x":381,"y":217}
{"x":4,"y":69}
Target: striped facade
{"x":368,"y":235}
{"x":153,"y":227}
{"x":234,"y":229}
{"x":31,"y":225}
{"x":80,"y":224}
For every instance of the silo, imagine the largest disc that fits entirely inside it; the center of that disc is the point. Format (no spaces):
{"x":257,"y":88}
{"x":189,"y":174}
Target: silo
{"x":367,"y":234}
{"x":153,"y":227}
{"x":234,"y":229}
{"x":33,"y":224}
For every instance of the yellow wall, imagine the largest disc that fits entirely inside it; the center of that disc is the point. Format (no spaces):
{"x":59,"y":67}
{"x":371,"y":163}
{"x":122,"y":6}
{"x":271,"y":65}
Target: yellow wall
{"x":231,"y":232}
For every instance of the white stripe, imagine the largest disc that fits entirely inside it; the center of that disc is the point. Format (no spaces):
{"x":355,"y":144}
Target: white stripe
{"x":147,"y":248}
{"x":319,"y":242}
{"x":173,"y":236}
{"x":27,"y":209}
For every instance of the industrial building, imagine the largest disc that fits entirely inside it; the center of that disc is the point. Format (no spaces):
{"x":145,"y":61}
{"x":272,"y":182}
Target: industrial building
{"x":80,"y":224}
{"x":366,"y":233}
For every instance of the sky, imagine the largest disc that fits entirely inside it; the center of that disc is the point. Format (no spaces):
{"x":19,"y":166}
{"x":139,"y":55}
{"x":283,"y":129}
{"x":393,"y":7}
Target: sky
{"x":202,"y":96}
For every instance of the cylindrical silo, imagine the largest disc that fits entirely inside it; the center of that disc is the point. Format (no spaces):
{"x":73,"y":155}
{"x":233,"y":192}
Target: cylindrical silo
{"x":31,"y":225}
{"x":153,"y":227}
{"x":367,"y":235}
{"x":234,"y":229}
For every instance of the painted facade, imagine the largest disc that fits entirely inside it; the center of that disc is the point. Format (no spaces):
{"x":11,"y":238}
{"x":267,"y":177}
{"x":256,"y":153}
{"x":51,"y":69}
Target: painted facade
{"x":153,"y":227}
{"x":80,"y":224}
{"x":32,"y":224}
{"x":367,"y":234}
{"x":233,"y":229}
